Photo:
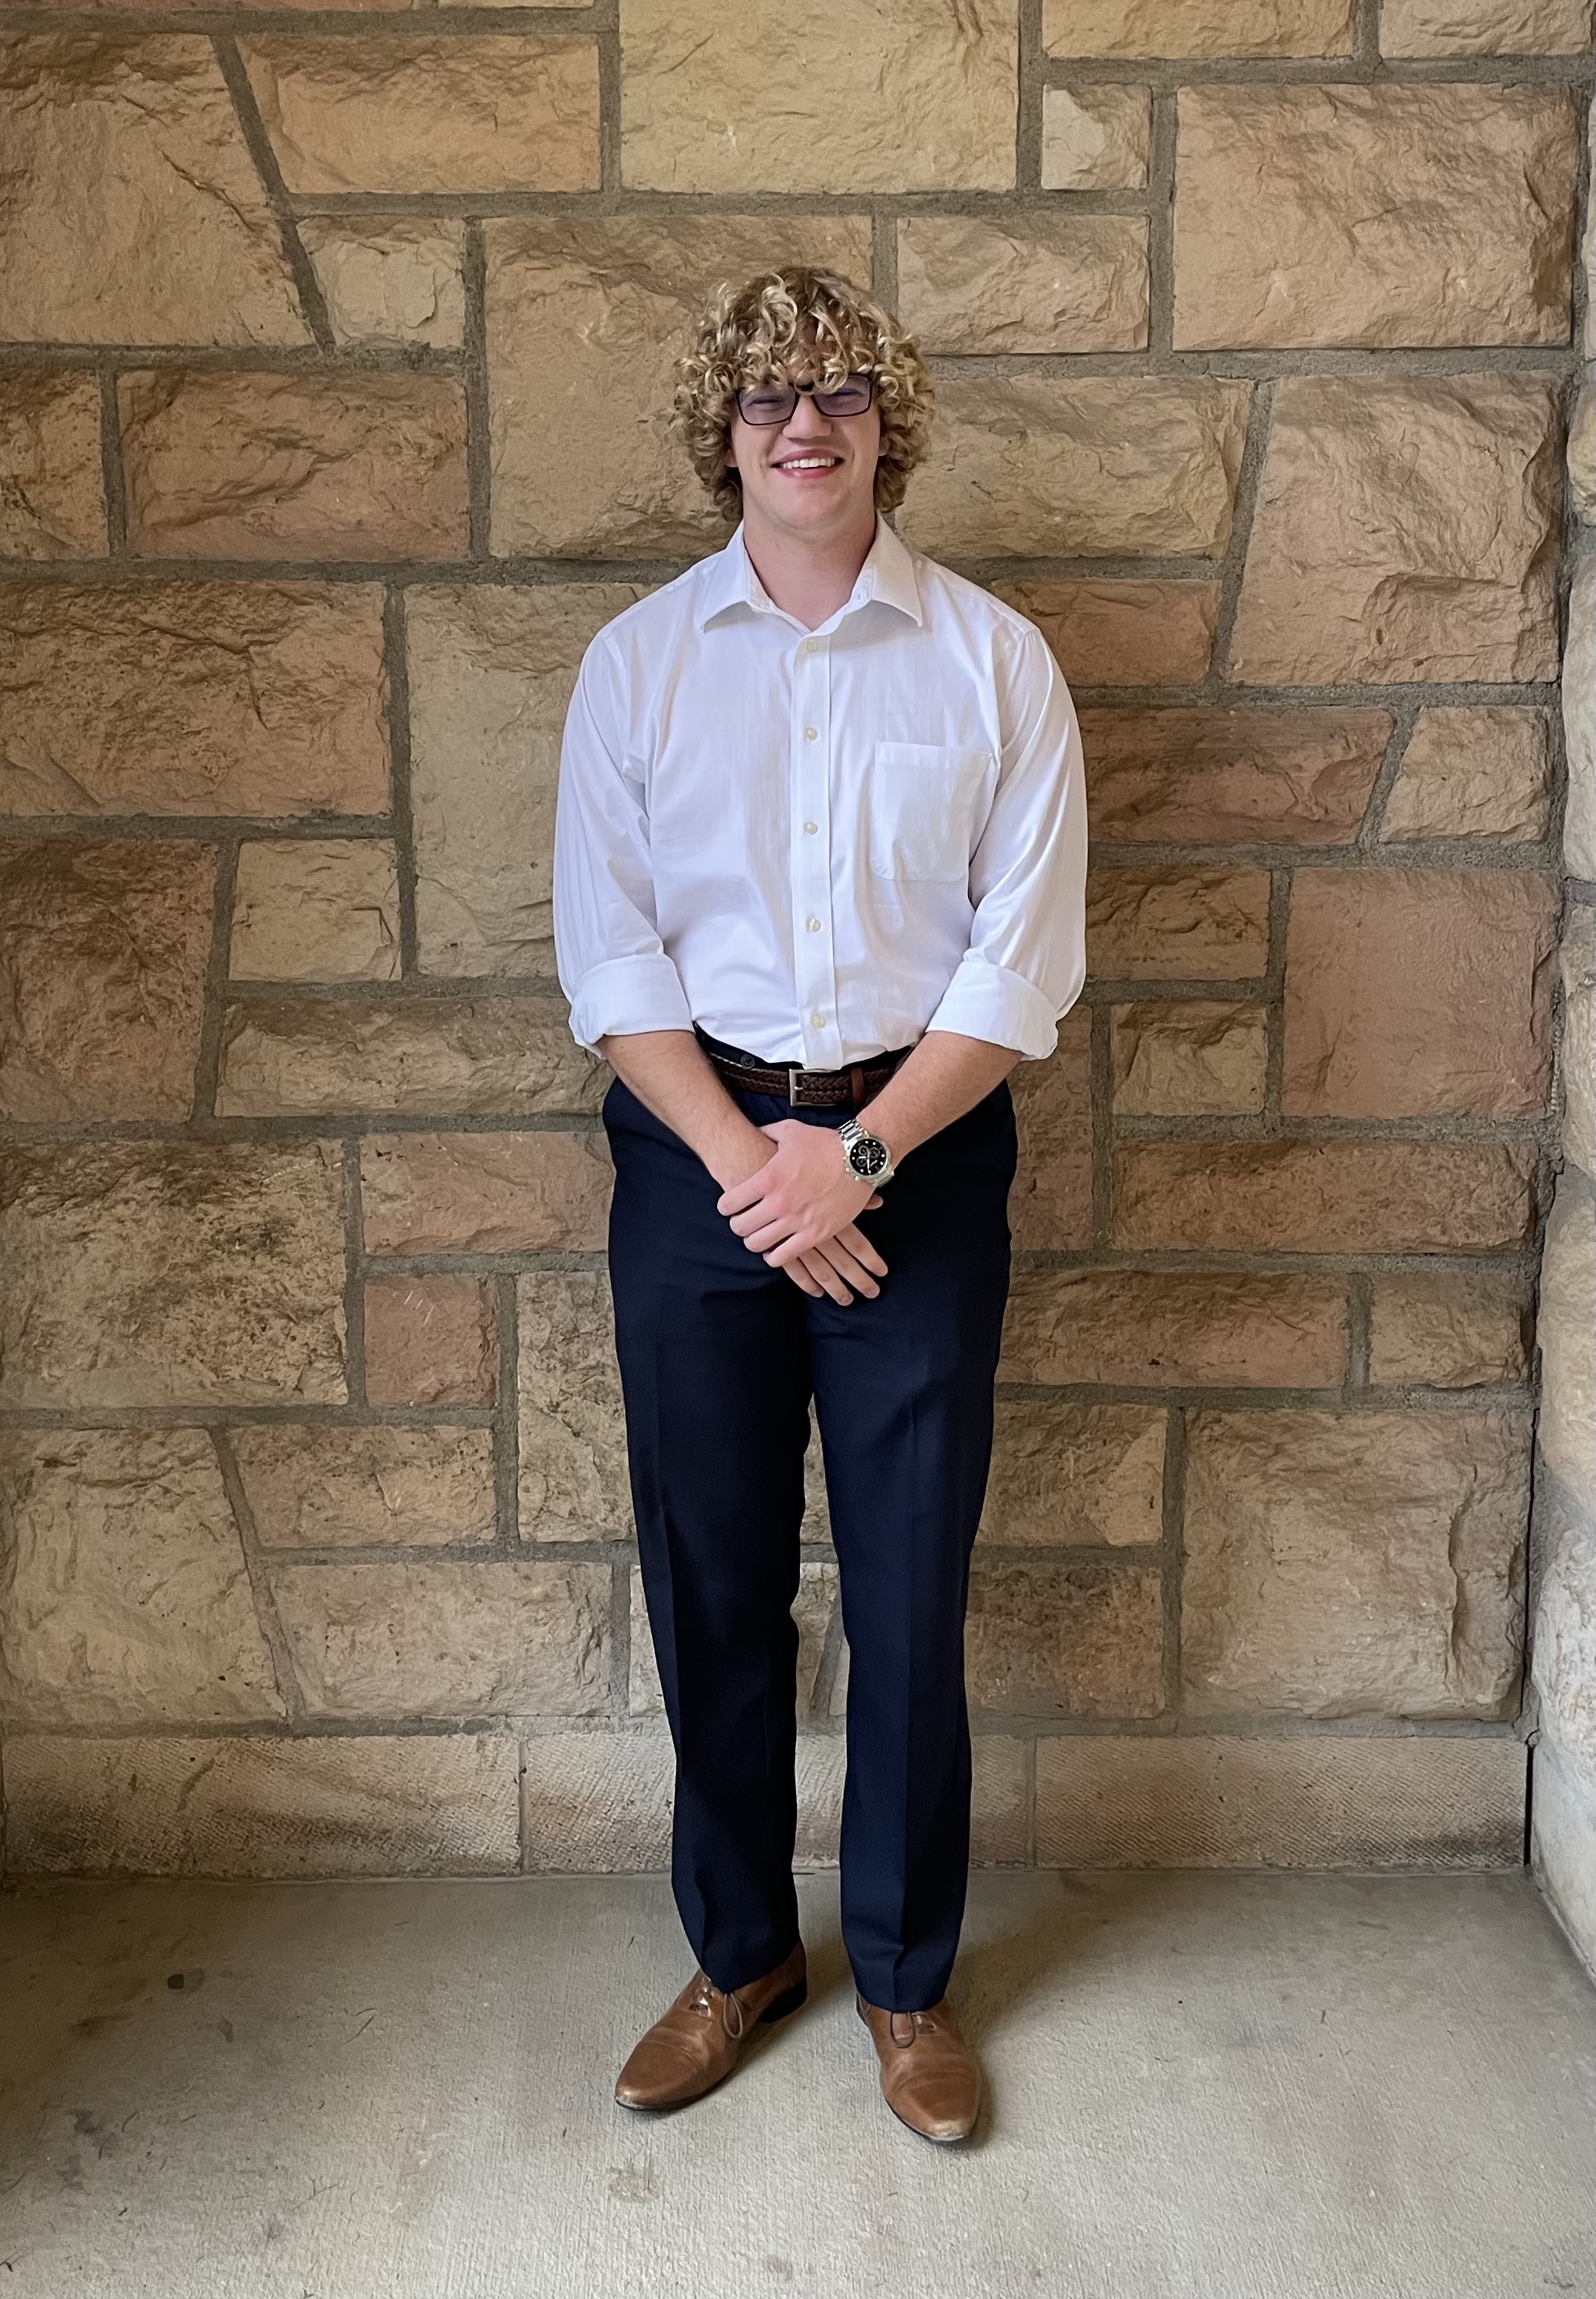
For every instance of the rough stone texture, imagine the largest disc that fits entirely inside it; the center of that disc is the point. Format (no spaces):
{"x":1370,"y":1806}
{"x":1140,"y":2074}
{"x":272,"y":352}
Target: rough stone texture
{"x":344,"y":1487}
{"x":440,"y":1638}
{"x":1051,"y":1201}
{"x":862,"y":96}
{"x":1473,"y":770}
{"x":485,"y":1192}
{"x":1579,"y":723}
{"x":1095,"y":140}
{"x":143,"y":1273}
{"x":134,"y":213}
{"x":1406,"y":528}
{"x":1375,"y":216}
{"x":1176,"y":925}
{"x":1324,"y":1197}
{"x":316,"y":909}
{"x":597,"y":1802}
{"x":1196,"y":1060}
{"x":573,"y":1440}
{"x":365,"y":1804}
{"x":586,"y":312}
{"x":124,"y":1597}
{"x":50,"y":501}
{"x":425,"y":1056}
{"x":430,"y":1341}
{"x":1050,"y":283}
{"x":1485,"y":28}
{"x":1156,"y":1328}
{"x":1052,"y":465}
{"x":1354,"y":1563}
{"x":1128,"y":634}
{"x":1411,"y":993}
{"x":193,"y":697}
{"x":1075,"y":1474}
{"x":1307,"y":1801}
{"x":1568,"y":1321}
{"x":1451,"y":1330}
{"x":1197,"y":28}
{"x":423,"y":112}
{"x":822,"y":1682}
{"x":102,"y":955}
{"x":1282,"y":776}
{"x":492,"y":671}
{"x":1563,"y":1642}
{"x":392,"y":282}
{"x":1577,"y":1053}
{"x":1064,"y":1640}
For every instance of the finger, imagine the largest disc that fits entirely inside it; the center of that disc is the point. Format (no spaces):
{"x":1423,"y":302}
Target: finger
{"x":827,"y":1278}
{"x":861,"y":1248}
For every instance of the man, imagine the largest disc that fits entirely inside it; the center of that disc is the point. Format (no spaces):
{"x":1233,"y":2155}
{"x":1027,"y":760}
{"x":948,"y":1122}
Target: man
{"x":819,"y":883}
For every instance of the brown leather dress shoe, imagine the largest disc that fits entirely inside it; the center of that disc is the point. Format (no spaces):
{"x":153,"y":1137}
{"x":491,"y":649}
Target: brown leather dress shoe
{"x":929,"y":2076}
{"x":700,"y":2038}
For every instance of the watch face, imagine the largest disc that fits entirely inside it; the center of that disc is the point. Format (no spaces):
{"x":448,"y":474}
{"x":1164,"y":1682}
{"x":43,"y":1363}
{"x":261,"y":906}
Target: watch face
{"x":867,"y":1156}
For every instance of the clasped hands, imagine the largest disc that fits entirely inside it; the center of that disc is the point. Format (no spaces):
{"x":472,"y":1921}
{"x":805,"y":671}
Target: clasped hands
{"x":800,"y":1211}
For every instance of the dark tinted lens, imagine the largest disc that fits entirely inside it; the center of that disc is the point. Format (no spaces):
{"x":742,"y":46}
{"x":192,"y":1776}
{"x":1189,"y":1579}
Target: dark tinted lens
{"x":851,"y":397}
{"x":768,"y":403}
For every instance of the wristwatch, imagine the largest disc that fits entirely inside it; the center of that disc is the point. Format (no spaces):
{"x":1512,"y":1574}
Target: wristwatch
{"x":868,"y":1156}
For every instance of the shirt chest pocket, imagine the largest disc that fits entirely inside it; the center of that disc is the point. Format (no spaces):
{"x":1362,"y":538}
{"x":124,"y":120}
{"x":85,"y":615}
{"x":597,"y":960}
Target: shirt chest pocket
{"x":925,"y":805}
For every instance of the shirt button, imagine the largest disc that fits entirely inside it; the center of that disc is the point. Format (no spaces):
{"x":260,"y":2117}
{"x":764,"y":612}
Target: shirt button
{"x":813,"y":924}
{"x":810,"y":735}
{"x":811,"y":827}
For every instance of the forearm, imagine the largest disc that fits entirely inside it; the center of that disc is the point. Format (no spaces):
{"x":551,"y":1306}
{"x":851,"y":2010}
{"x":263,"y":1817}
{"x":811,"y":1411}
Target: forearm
{"x":667,"y":1071}
{"x":944,"y":1076}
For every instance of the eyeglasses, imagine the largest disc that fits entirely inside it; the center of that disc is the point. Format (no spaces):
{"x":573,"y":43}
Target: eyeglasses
{"x":773,"y":402}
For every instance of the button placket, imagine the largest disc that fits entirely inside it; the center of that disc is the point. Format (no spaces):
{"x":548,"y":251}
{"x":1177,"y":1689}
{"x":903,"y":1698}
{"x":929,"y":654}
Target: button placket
{"x":814,"y":958}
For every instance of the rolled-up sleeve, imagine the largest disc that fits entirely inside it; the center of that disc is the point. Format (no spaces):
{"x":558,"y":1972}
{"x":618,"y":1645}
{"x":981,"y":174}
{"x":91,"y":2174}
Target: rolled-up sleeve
{"x":1025,"y":966}
{"x":612,"y":965}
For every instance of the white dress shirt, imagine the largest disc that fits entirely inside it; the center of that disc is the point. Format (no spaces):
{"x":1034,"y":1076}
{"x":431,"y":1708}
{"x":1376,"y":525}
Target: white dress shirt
{"x":819,"y":844}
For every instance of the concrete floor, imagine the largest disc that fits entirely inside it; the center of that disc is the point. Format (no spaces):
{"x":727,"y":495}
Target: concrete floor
{"x":1253,"y":2086}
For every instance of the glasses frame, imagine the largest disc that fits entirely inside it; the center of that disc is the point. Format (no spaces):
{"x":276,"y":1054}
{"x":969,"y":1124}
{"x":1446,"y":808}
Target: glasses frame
{"x":820,"y":394}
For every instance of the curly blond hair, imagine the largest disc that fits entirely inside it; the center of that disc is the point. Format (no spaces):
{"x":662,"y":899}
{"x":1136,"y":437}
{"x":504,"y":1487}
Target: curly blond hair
{"x":824,"y":328}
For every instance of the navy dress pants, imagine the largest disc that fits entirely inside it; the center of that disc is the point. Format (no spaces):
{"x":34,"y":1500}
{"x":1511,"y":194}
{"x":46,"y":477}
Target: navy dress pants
{"x":719,"y":1356}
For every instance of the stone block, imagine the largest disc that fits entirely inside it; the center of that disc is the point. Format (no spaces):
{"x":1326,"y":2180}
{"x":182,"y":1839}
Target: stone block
{"x":1053,"y":282}
{"x":597,"y":1803}
{"x":418,"y":1056}
{"x":1197,"y":28}
{"x":1204,"y":1059}
{"x":1053,"y":1639}
{"x":431,"y":1341}
{"x":1377,"y":216}
{"x":1406,"y":528}
{"x":134,"y":213}
{"x":860,"y":98}
{"x":1324,"y":1197}
{"x":1364,"y":1564}
{"x":1095,"y":139}
{"x":1198,"y":926}
{"x":1473,"y":770}
{"x":491,"y":672}
{"x":1159,"y":1329}
{"x":102,"y":955}
{"x":194,"y":698}
{"x":1051,"y":1201}
{"x":389,"y":281}
{"x":1029,"y":466}
{"x":1075,"y":1474}
{"x":316,"y":909}
{"x":333,"y":1486}
{"x":360,"y":1805}
{"x":585,"y":312}
{"x":821,"y":1688}
{"x":50,"y":499}
{"x":1485,"y":28}
{"x":149,"y":1272}
{"x":1566,"y":1325}
{"x":573,"y":1484}
{"x":485,"y":1192}
{"x":1576,"y":1055}
{"x":1136,"y":633}
{"x":428,"y":111}
{"x":1278,"y":775}
{"x":1579,"y":722}
{"x":124,"y":1596}
{"x":1563,"y":1639}
{"x":1450,"y":1329}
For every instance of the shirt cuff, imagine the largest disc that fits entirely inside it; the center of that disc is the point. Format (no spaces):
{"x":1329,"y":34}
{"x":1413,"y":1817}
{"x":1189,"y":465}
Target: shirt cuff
{"x":625,"y":995}
{"x":984,"y":1000}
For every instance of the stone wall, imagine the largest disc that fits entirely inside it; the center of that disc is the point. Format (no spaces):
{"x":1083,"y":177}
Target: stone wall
{"x":331,"y":428}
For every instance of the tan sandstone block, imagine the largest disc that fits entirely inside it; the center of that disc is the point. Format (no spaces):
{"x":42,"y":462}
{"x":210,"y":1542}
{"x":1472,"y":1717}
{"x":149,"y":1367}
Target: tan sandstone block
{"x":573,"y":1484}
{"x":860,"y":97}
{"x":1197,"y":28}
{"x":1084,"y":1474}
{"x":492,"y":670}
{"x":1568,"y":1320}
{"x":1051,"y":1201}
{"x":1323,"y":1197}
{"x":134,"y":213}
{"x":1449,"y":1330}
{"x":597,"y":1803}
{"x":1354,"y":1563}
{"x":124,"y":1597}
{"x":1474,"y":770}
{"x":294,"y":466}
{"x":1280,"y":776}
{"x":1196,"y":1060}
{"x":50,"y":499}
{"x":1046,"y":283}
{"x":1576,"y":1055}
{"x":1194,"y":926}
{"x":431,"y":1341}
{"x":334,"y":1487}
{"x":424,"y":112}
{"x":1406,"y":528}
{"x":1095,"y":140}
{"x":422,"y":1057}
{"x":1064,"y":1640}
{"x":1123,"y":634}
{"x":358,"y":1804}
{"x":587,"y":312}
{"x":1376,"y":216}
{"x":485,"y":1192}
{"x":1579,"y":721}
{"x":1156,"y":1328}
{"x":316,"y":909}
{"x":390,"y":282}
{"x":1485,"y":28}
{"x":1054,"y":466}
{"x":441,"y":1639}
{"x":102,"y":955}
{"x":143,"y":1273}
{"x":822,"y":1674}
{"x":1412,"y":993}
{"x":194,"y":698}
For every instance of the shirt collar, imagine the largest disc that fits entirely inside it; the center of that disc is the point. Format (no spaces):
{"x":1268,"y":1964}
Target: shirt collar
{"x":887,"y":574}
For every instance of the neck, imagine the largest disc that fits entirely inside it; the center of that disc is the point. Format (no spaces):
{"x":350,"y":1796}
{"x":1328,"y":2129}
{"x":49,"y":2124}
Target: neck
{"x":808,"y":577}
